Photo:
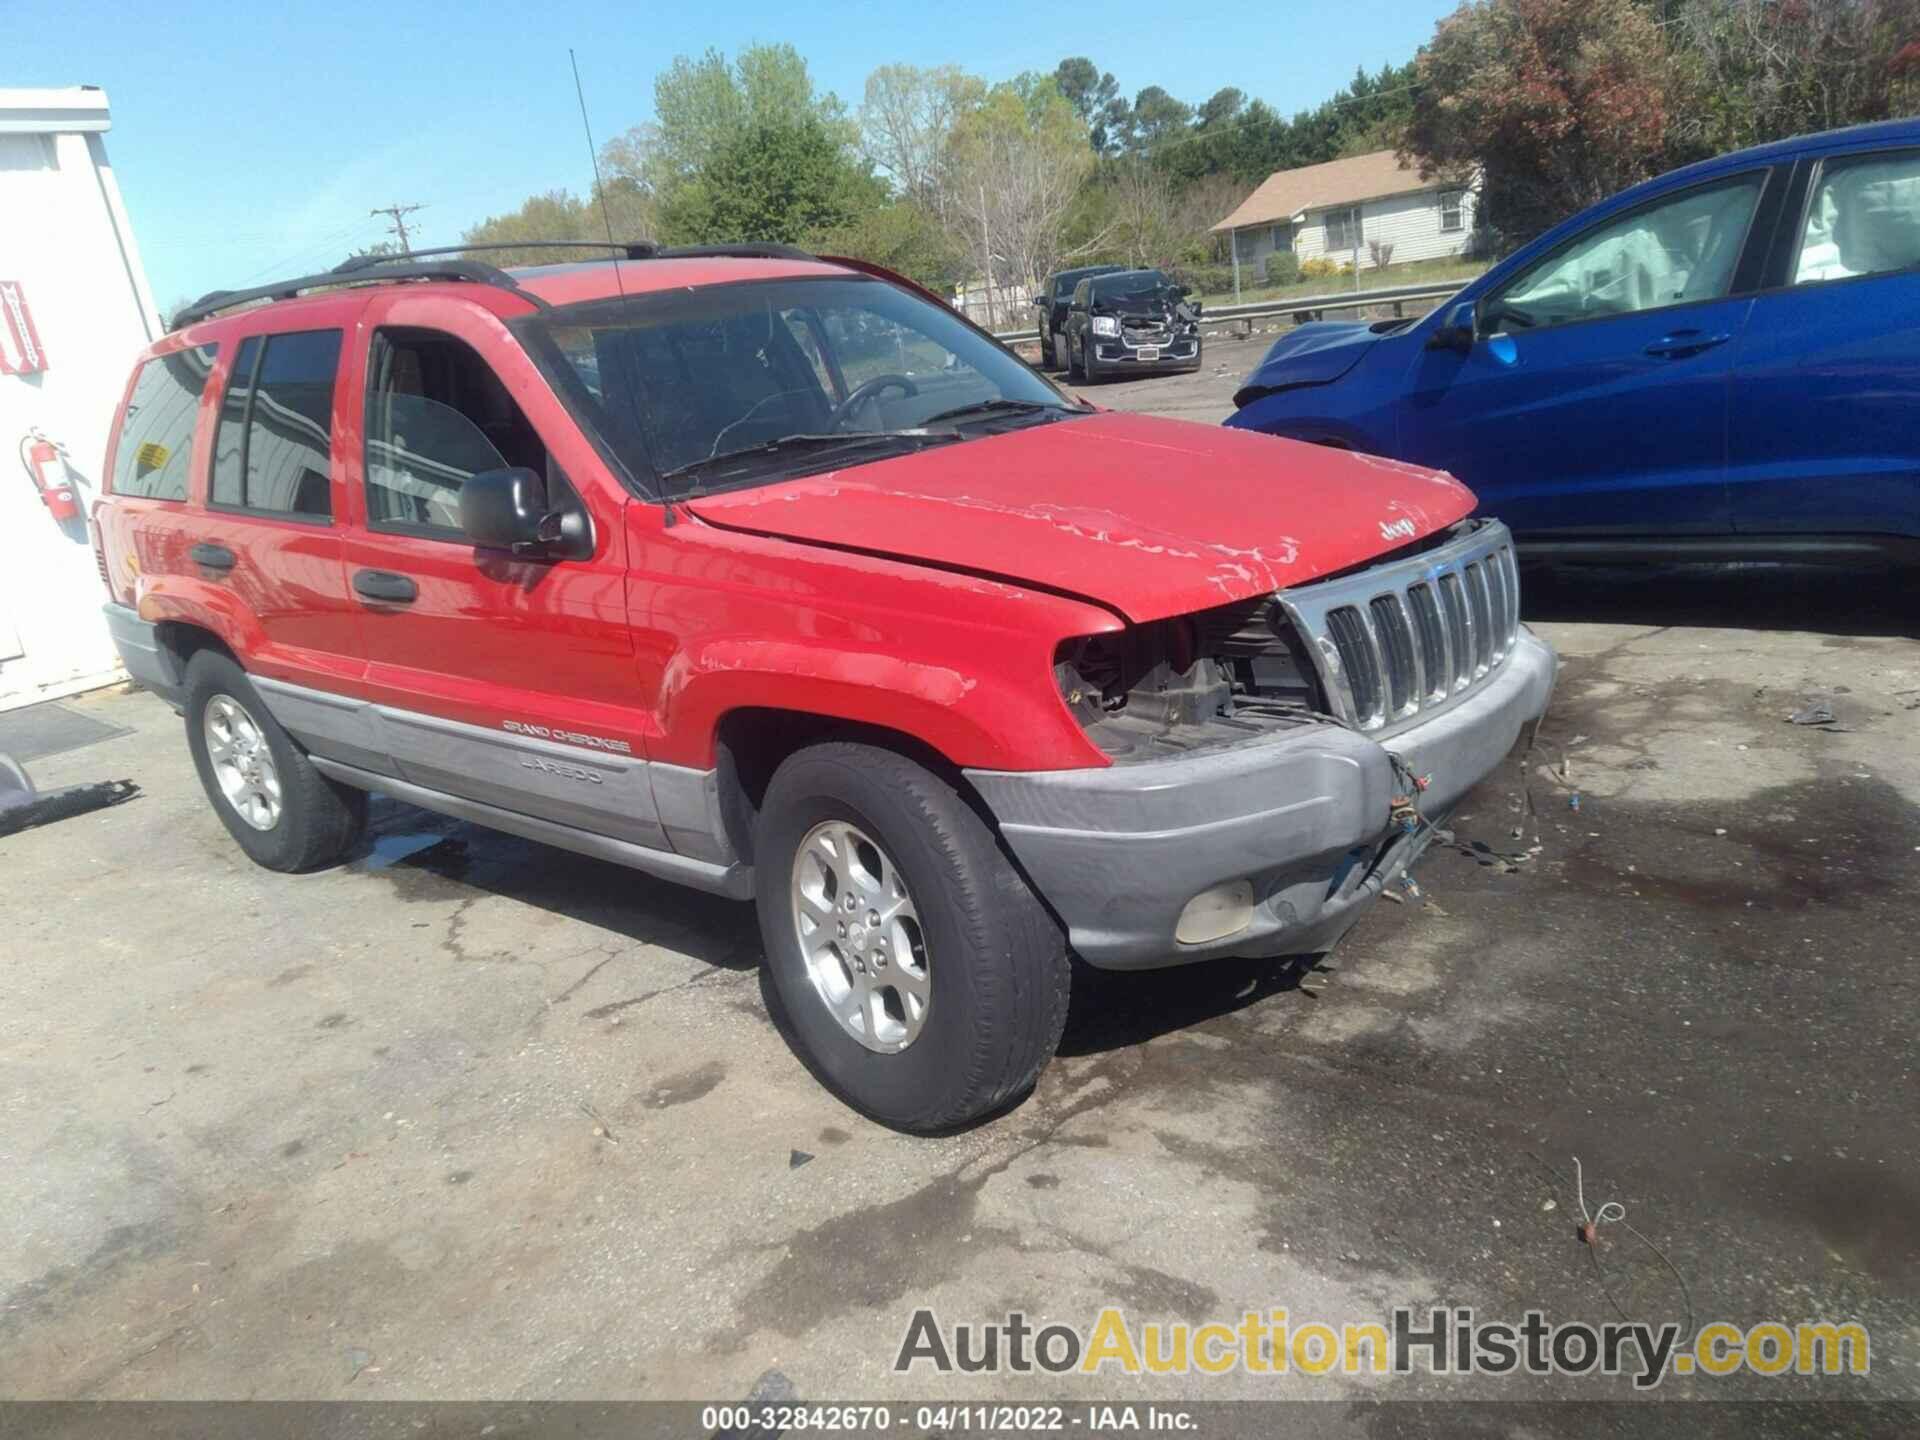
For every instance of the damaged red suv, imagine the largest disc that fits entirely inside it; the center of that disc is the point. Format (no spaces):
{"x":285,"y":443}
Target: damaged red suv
{"x":771,"y":575}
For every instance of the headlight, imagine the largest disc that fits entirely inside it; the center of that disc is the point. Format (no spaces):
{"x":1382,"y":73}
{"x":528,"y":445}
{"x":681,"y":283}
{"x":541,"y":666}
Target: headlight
{"x":1105,"y":325}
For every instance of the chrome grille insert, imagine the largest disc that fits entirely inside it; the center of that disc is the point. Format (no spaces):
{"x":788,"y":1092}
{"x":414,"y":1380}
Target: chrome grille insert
{"x":1405,"y":640}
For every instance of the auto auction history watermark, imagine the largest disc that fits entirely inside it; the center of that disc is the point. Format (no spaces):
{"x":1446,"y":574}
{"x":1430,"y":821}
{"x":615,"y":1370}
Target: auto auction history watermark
{"x":1435,"y":1340}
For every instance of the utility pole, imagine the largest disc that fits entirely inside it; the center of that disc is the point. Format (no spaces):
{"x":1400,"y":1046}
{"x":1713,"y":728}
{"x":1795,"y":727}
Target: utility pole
{"x":399,"y":214}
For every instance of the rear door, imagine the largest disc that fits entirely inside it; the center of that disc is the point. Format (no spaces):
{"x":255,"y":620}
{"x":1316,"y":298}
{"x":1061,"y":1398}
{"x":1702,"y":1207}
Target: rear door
{"x":1825,"y":432}
{"x":1594,"y":399}
{"x":501,"y":679}
{"x":269,"y":537}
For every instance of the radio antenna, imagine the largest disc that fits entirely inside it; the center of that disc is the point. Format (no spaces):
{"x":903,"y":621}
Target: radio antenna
{"x":593,"y":154}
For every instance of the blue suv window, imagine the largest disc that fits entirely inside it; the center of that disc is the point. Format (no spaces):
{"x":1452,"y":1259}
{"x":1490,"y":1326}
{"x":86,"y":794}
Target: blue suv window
{"x":1676,"y":250}
{"x":1863,"y":219}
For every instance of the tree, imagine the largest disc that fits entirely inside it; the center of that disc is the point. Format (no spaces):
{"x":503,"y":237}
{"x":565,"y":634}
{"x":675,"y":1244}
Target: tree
{"x":702,"y":106}
{"x":776,"y":180}
{"x":1221,"y":108}
{"x":1557,"y":103}
{"x":1158,"y":117}
{"x":1085,"y":87}
{"x":1019,"y":162}
{"x":901,"y":236}
{"x":561,"y":215}
{"x":1766,"y":69}
{"x":907,"y":121}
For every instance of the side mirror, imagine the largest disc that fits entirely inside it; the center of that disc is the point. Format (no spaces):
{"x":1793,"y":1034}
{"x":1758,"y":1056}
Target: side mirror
{"x":1183,"y":291}
{"x":508,"y":510}
{"x":1456,"y":329}
{"x":1040,"y":300}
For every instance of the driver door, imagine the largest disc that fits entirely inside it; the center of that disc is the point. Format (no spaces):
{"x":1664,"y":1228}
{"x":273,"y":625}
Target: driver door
{"x":1594,"y":398}
{"x":503,"y":679}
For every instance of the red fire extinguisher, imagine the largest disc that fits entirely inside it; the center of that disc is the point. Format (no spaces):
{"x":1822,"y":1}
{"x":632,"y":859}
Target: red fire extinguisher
{"x":48,"y":471}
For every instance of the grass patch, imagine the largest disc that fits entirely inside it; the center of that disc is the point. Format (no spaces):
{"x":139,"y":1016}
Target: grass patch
{"x":1412,"y":272}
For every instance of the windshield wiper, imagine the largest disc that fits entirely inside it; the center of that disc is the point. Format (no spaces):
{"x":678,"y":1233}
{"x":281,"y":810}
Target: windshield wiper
{"x":1001,"y":406}
{"x":801,"y":444}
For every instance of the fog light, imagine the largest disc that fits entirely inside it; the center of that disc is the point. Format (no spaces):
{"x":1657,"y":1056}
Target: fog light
{"x":1217,"y":913}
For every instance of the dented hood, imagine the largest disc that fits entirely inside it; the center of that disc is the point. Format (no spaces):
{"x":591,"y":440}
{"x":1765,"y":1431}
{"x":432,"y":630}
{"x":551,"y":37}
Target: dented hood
{"x":1149,"y":517}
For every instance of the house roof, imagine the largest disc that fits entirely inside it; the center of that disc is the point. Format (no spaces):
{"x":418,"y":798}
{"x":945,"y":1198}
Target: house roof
{"x":1286,"y":193}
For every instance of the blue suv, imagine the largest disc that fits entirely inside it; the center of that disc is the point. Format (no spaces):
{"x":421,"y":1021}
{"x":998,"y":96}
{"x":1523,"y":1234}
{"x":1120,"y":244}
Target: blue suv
{"x":1721,"y":362}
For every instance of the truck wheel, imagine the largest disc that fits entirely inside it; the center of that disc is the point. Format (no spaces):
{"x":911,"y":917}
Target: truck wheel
{"x":285,"y":814}
{"x":1075,"y":370}
{"x":921,"y":979}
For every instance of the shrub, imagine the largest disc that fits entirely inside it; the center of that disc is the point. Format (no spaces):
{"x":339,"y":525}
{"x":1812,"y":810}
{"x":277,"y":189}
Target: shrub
{"x":1283,"y":267}
{"x":1319,"y":267}
{"x":1205,"y":279}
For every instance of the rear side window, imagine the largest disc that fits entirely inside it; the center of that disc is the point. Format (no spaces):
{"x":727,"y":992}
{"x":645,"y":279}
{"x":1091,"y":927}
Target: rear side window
{"x":1864,"y":219}
{"x":156,"y":438}
{"x":272,"y":453}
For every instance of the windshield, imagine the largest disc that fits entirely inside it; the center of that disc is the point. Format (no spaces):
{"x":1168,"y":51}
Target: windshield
{"x":754,"y":382}
{"x":1137,"y":285}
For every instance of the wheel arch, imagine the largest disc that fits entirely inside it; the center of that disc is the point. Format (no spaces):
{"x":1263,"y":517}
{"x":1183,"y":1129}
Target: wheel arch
{"x":751,"y":742}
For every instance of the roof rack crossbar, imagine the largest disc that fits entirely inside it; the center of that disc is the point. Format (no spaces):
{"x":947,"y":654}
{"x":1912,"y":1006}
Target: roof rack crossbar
{"x":384,"y":268}
{"x":629,"y":249}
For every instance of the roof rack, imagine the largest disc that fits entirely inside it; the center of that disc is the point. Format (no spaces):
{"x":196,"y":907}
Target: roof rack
{"x":380,"y":269}
{"x":416,"y":265}
{"x":629,"y":249}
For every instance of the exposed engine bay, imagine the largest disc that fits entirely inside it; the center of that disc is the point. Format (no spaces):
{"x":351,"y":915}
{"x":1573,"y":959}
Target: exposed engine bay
{"x":1191,"y":682}
{"x":1213,"y":678}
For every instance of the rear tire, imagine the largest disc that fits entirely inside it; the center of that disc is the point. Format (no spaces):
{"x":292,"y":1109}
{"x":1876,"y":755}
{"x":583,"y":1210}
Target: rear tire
{"x":988,"y":957}
{"x":284,"y":813}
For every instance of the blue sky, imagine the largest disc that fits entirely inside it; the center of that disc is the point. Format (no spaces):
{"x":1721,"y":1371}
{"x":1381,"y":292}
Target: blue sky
{"x":251,"y":140}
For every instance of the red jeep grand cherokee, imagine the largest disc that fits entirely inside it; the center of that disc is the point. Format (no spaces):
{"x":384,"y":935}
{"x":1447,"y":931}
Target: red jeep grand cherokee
{"x":771,"y":575}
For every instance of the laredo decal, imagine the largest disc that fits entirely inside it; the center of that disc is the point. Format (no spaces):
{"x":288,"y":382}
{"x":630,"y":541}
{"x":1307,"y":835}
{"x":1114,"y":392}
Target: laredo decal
{"x":568,"y":737}
{"x":562,"y":769}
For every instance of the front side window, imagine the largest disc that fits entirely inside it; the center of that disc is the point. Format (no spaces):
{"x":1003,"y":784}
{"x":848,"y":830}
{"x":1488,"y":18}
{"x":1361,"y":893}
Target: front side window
{"x":1343,"y":229}
{"x":752,"y":382}
{"x":1452,"y":213}
{"x":156,"y":438}
{"x":1674,"y":251}
{"x":272,"y":452}
{"x":436,"y":416}
{"x":1863,"y":219}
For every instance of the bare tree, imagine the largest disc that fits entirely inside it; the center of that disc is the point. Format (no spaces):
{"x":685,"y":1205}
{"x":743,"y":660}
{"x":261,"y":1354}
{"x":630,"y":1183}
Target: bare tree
{"x":906,"y":124}
{"x":1146,"y":225}
{"x":1767,"y":70}
{"x":1017,"y":169}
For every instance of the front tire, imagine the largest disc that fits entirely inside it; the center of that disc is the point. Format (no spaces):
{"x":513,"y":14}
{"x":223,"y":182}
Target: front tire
{"x":921,"y":979}
{"x":284,"y":813}
{"x":1075,"y":370}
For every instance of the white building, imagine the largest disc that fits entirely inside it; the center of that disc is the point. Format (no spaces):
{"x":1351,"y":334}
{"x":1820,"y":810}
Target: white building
{"x":74,"y":311}
{"x":1341,"y":210}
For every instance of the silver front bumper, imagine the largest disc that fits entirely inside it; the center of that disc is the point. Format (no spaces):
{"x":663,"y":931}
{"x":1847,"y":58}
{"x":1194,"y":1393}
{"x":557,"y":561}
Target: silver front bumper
{"x":1303,"y":816}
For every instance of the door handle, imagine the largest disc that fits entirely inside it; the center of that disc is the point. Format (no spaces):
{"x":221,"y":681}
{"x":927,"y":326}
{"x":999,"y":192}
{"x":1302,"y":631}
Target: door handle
{"x":384,"y":586}
{"x":213,"y":557}
{"x":1682,"y":343}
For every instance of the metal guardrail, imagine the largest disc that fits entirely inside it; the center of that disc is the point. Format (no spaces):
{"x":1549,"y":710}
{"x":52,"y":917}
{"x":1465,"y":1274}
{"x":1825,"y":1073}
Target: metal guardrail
{"x":1314,"y":306}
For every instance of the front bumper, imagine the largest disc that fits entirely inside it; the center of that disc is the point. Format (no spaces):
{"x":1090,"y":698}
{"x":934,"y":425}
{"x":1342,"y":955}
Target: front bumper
{"x":1302,"y":816}
{"x":1182,"y":352}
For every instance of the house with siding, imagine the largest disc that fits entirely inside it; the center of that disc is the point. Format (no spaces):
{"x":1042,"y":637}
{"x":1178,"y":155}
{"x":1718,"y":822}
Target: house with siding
{"x":1337,"y":209}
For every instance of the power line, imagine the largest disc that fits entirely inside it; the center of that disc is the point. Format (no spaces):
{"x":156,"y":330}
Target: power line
{"x":399,"y":214}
